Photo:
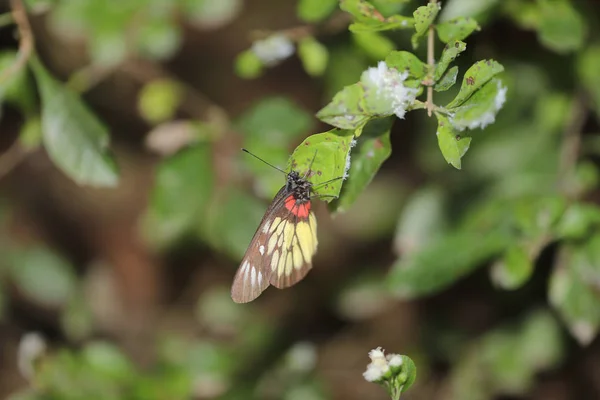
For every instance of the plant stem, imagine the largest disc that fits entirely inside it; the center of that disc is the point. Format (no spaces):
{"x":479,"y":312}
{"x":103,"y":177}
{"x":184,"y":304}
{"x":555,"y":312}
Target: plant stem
{"x":19,"y":15}
{"x":431,"y":64}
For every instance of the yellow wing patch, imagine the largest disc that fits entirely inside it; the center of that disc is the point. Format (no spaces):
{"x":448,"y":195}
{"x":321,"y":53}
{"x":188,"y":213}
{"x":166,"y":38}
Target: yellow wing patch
{"x":296,"y":245}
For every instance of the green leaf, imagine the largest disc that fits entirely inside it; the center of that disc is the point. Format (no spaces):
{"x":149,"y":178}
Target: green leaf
{"x":43,"y":276}
{"x":373,"y":44}
{"x":481,"y":108}
{"x":404,"y":61}
{"x":451,"y":144}
{"x":369,"y":19}
{"x":105,"y":359}
{"x":456,"y":29}
{"x":74,"y":138}
{"x":536,"y":216}
{"x":467,"y":8}
{"x":476,"y":76}
{"x":323,"y":157}
{"x":248,"y":65}
{"x":447,"y":81}
{"x":589,"y":268}
{"x":231,"y":225}
{"x":372,"y":149}
{"x":446,"y":260}
{"x":576,"y":302}
{"x":451,"y":51}
{"x":314,"y":56}
{"x":158,"y":38}
{"x":409,"y":372}
{"x":423,"y":220}
{"x":30,"y":135}
{"x":347,"y":109}
{"x":315,"y":10}
{"x":16,"y":88}
{"x":577,"y":221}
{"x":514,"y":268}
{"x":76,"y":319}
{"x":270,"y":127}
{"x":361,"y":10}
{"x":180,"y":196}
{"x":561,"y":28}
{"x":374,"y":25}
{"x":424,"y":17}
{"x":506,"y":360}
{"x":588,"y":66}
{"x":158,"y":100}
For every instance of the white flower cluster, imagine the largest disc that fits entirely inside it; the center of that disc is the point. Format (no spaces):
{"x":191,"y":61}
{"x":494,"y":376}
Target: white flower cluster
{"x":382,"y":366}
{"x":273,"y":49}
{"x":389,"y":85}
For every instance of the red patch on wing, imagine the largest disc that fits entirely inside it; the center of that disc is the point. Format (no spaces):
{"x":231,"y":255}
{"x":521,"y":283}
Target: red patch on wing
{"x":299,"y":210}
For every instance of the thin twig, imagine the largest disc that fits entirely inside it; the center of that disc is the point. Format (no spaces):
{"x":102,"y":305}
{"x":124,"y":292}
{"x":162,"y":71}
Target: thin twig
{"x":334,"y":25}
{"x":571,"y":144}
{"x":431,"y":64}
{"x":15,"y":153}
{"x":19,"y":15}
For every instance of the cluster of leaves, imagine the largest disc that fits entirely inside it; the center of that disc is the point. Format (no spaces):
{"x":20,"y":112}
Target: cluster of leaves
{"x":152,"y":28}
{"x":184,"y":368}
{"x":523,"y":198}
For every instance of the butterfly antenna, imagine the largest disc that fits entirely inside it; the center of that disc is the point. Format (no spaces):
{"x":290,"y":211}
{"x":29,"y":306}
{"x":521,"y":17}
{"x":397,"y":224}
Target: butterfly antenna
{"x":310,"y":165}
{"x":258,"y":158}
{"x":329,"y":181}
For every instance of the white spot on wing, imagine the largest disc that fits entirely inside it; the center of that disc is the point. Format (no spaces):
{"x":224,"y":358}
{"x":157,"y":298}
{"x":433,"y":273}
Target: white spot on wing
{"x":259,"y":279}
{"x":253,"y":276}
{"x":261,"y":249}
{"x":266,"y":226}
{"x":246,"y":268}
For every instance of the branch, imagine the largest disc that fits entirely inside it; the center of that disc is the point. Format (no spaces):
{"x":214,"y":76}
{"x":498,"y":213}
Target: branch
{"x":26,"y":42}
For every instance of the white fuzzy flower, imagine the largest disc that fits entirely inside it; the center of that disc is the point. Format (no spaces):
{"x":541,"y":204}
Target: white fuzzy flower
{"x":273,"y":49}
{"x":389,"y":88}
{"x":378,"y":367}
{"x":373,"y":374}
{"x":394,"y":360}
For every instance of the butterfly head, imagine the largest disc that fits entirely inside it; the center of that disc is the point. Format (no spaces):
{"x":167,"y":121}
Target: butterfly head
{"x":299,"y":186}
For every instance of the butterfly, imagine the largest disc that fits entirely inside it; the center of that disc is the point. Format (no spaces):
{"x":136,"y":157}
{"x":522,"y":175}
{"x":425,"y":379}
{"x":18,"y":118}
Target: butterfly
{"x":281,"y":251}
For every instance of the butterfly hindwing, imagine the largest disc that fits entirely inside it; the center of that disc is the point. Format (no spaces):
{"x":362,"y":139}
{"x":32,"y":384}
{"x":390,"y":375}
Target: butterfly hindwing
{"x":298,"y":246}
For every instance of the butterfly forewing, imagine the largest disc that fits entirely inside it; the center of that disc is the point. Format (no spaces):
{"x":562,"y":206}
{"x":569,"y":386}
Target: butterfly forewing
{"x":282,"y":248}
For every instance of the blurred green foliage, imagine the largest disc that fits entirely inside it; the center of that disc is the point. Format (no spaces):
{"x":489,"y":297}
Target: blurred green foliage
{"x":521,"y":190}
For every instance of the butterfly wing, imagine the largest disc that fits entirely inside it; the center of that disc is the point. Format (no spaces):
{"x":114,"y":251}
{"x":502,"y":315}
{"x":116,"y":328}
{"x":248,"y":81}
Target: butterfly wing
{"x":281,"y":250}
{"x":253,"y":274}
{"x":297,"y":244}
